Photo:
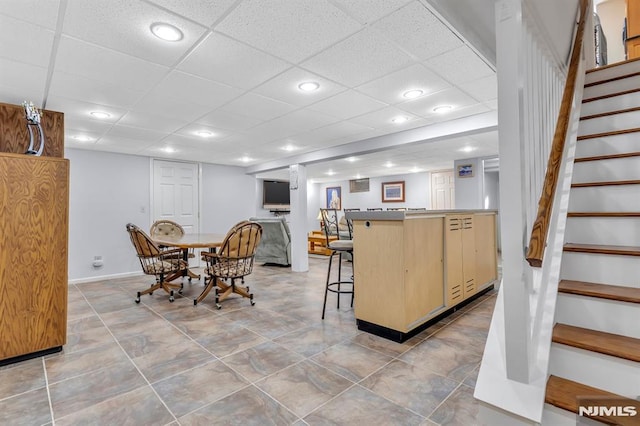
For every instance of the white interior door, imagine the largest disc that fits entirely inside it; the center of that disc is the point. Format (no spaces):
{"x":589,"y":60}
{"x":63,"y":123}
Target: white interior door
{"x":443,"y":190}
{"x":175,"y":193}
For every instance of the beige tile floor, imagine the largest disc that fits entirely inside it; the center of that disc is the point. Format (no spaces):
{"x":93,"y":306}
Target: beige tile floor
{"x":277,"y":362}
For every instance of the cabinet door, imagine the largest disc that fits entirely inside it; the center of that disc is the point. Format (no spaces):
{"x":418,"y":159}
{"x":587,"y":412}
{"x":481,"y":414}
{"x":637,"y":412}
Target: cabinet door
{"x":453,"y":241}
{"x":486,"y":254}
{"x":468,"y":256}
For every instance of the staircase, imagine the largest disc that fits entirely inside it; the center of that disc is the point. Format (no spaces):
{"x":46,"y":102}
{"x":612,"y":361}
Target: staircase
{"x":596,"y":339}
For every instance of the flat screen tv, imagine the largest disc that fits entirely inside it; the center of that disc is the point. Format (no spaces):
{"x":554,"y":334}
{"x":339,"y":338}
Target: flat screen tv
{"x":275,"y":195}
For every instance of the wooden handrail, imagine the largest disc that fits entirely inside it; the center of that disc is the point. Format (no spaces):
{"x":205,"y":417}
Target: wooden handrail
{"x":538,"y":239}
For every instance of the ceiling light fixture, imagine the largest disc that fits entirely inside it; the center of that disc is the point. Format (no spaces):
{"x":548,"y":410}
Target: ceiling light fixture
{"x":331,"y":173}
{"x":168,"y":149}
{"x":467,"y":149}
{"x":388,"y":164}
{"x":309,"y":86}
{"x":412,"y":94}
{"x":166,"y":32}
{"x":399,"y":119}
{"x":82,"y":138}
{"x":289,"y":148}
{"x":351,"y":159}
{"x":442,"y":109}
{"x":204,"y":133}
{"x":414,"y":170}
{"x":100,"y":114}
{"x":246,"y":159}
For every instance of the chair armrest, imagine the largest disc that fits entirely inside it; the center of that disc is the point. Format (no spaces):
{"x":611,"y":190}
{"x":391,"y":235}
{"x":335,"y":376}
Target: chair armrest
{"x":171,"y":253}
{"x":208,"y":254}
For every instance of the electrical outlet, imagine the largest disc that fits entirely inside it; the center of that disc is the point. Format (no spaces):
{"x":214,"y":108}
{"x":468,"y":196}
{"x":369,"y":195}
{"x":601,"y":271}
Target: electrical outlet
{"x":97,"y":261}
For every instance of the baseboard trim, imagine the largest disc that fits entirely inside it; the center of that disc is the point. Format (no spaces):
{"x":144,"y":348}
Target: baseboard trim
{"x":32,"y":355}
{"x":105,"y":277}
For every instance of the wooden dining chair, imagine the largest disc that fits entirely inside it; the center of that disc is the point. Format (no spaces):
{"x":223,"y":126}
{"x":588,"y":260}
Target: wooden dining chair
{"x":163,"y":264}
{"x":168,"y":228}
{"x":233,"y":261}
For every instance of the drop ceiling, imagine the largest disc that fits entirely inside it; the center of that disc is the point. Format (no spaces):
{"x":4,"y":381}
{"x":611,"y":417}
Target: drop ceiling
{"x":235,"y":74}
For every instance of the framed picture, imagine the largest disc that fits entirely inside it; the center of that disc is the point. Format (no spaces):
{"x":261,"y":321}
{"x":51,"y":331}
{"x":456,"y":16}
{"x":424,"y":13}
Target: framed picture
{"x":393,"y":192}
{"x":334,"y":197}
{"x":465,"y":170}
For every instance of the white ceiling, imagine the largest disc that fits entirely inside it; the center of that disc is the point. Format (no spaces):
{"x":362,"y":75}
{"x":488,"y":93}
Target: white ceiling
{"x":236,"y":74}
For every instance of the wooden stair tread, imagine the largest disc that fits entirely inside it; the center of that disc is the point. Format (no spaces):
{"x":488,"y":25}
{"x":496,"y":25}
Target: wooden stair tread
{"x":597,"y":341}
{"x":613,"y":65}
{"x":604,"y":134}
{"x":610,"y":95}
{"x":602,"y":249}
{"x":609,"y":80}
{"x":607,"y":157}
{"x":601,"y":291}
{"x":605,"y":183}
{"x":603,"y":214}
{"x":564,"y":394}
{"x":609,"y":113}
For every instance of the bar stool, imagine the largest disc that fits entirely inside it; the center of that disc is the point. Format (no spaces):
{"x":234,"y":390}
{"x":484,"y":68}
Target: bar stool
{"x":343,"y":243}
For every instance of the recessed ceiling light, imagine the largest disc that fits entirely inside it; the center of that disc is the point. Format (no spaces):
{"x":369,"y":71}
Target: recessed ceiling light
{"x":442,"y":109}
{"x":331,"y":173}
{"x":399,"y":119}
{"x":308,"y":86}
{"x":82,"y":138}
{"x":358,"y":176}
{"x":467,"y":149}
{"x":351,"y":159}
{"x":168,"y":149}
{"x":166,"y":32}
{"x":289,"y":148}
{"x":388,"y":164}
{"x":100,"y":114}
{"x":246,"y":159}
{"x":204,"y":133}
{"x":412,"y":94}
{"x":414,"y":170}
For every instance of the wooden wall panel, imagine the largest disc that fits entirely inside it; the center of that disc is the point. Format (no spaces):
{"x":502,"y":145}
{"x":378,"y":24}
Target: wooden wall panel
{"x":14,"y":136}
{"x":34,"y":200}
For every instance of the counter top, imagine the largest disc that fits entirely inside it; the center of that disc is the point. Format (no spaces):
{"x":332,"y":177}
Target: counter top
{"x":409,"y":214}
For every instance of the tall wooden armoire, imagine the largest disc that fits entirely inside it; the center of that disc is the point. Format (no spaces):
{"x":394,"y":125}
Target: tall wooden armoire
{"x":34,"y":219}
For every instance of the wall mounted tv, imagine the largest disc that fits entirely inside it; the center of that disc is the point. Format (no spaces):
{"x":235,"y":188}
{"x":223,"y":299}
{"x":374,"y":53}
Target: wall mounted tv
{"x":275,"y":195}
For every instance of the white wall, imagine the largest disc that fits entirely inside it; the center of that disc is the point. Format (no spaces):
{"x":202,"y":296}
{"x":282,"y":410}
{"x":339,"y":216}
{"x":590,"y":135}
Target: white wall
{"x":108,"y":190}
{"x":469,"y":190}
{"x":612,"y":14}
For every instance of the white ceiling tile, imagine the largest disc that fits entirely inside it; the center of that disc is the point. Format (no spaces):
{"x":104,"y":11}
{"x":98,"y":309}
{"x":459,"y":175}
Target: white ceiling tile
{"x":382,"y":118}
{"x":159,"y":103}
{"x":391,"y":87}
{"x":304,"y":27}
{"x":258,"y":107}
{"x":459,"y":113}
{"x":289,"y":125}
{"x":135,"y":133}
{"x":347,"y":104}
{"x":368,"y":11}
{"x":124,"y":25}
{"x":82,"y":109}
{"x":98,"y":63}
{"x":284,"y":87}
{"x":228,"y":120}
{"x":38,"y":12}
{"x":225,"y":60}
{"x":122,"y":145}
{"x":78,"y":124}
{"x":460,"y":66}
{"x":151,"y":121}
{"x":205,"y":12}
{"x":360,"y":58}
{"x":23,"y":42}
{"x":331,"y":132}
{"x":493,"y":104}
{"x":92,"y":91}
{"x":424,"y":105}
{"x":418,"y":31}
{"x":21,"y":82}
{"x":191,"y":130}
{"x":483,"y":89}
{"x":191,"y":89}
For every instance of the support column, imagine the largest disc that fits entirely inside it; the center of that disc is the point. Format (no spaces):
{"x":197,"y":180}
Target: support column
{"x":298,"y":217}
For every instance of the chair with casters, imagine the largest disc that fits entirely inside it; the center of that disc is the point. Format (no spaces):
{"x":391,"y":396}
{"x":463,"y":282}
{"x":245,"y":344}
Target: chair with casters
{"x":417,"y":209}
{"x":168,"y":228}
{"x":233,"y":261}
{"x":163,"y":264}
{"x":375,"y":209}
{"x":342,"y":246}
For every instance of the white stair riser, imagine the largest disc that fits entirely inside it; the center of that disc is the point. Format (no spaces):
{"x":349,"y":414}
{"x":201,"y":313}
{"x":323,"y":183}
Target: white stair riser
{"x":616,"y":231}
{"x":601,"y":268}
{"x":609,"y":316}
{"x":609,"y":123}
{"x":616,"y":375}
{"x":615,"y":103}
{"x":612,"y":72}
{"x":611,"y":198}
{"x":615,"y":144}
{"x":611,"y":87}
{"x":607,"y":170}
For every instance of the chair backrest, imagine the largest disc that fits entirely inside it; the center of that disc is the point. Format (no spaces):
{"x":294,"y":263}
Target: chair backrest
{"x":396,"y":209}
{"x":351,"y":210}
{"x":166,"y":228}
{"x":144,"y":245}
{"x":239,"y":248}
{"x":417,"y":209}
{"x":375,"y":209}
{"x":331,"y":225}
